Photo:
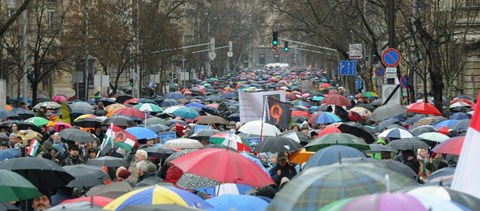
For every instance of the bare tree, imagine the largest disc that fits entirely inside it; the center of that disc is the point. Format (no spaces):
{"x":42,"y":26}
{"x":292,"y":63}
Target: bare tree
{"x":8,"y":22}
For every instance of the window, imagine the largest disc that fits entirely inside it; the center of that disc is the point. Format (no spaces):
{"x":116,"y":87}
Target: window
{"x":50,"y":19}
{"x":12,"y":4}
{"x":276,"y":57}
{"x":261,"y":59}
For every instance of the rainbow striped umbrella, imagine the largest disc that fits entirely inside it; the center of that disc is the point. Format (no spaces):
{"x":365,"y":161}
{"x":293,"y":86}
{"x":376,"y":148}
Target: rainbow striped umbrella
{"x":158,"y":195}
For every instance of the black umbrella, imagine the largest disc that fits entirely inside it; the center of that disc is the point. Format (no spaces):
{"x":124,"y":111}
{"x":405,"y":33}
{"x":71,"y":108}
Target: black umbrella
{"x":100,"y":112}
{"x":380,"y":148}
{"x":278,"y":144}
{"x":205,"y":133}
{"x":119,"y":120}
{"x":8,"y":115}
{"x":113,"y":190}
{"x":422,"y":129}
{"x":74,"y":134}
{"x":85,"y":175}
{"x":387,"y":111}
{"x":385,"y":123}
{"x":106,"y":101}
{"x":45,"y":174}
{"x":88,"y":122}
{"x":28,"y":125}
{"x":168,"y":103}
{"x":407,"y":144}
{"x":158,"y":127}
{"x":158,"y":151}
{"x":7,"y":124}
{"x":107,"y":161}
{"x":23,"y":113}
{"x":301,"y":136}
{"x":122,"y":98}
{"x":356,"y":131}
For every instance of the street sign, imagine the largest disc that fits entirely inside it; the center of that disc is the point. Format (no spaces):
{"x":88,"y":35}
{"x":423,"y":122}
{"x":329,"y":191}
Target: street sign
{"x":212,"y":55}
{"x":355,"y":51}
{"x":3,"y":94}
{"x":387,"y":90}
{"x":380,"y":72}
{"x":347,"y":67}
{"x":101,"y":81}
{"x":391,"y":57}
{"x":229,"y":54}
{"x":390,"y":72}
{"x":274,"y":49}
{"x":404,"y":81}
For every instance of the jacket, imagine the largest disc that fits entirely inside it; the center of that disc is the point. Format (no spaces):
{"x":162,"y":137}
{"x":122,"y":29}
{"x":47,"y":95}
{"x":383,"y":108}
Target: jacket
{"x":287,"y":171}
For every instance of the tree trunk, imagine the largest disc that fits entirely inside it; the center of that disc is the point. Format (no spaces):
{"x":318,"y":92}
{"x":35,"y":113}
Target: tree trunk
{"x":34,"y":85}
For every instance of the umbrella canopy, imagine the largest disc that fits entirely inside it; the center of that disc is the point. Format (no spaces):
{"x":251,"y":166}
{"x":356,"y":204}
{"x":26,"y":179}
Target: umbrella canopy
{"x":154,"y":120}
{"x":416,"y":131}
{"x":45,"y":174}
{"x":5,"y":115}
{"x":327,"y":117}
{"x":212,"y":119}
{"x":452,"y":146}
{"x":362,"y":111}
{"x":228,"y":139}
{"x":107,"y":161}
{"x":434,"y":136}
{"x":380,"y":148}
{"x":178,"y":154}
{"x":396,"y":133}
{"x":129,"y":112}
{"x":186,"y":113}
{"x":156,"y":151}
{"x":8,"y":153}
{"x":38,"y":121}
{"x":100,"y":201}
{"x":205,"y":133}
{"x":148,"y":107}
{"x":336,"y":99}
{"x":142,"y":133}
{"x":346,"y":128}
{"x":255,"y":128}
{"x":81,"y":106}
{"x":16,"y":188}
{"x":217,"y":164}
{"x":158,"y":207}
{"x":278,"y":144}
{"x":407,"y":144}
{"x":118,"y":120}
{"x":158,"y":195}
{"x":318,"y":186}
{"x":85,"y":175}
{"x":461,"y":125}
{"x":49,"y":105}
{"x":183,"y":143}
{"x":174,"y":95}
{"x":74,"y":134}
{"x":333,"y":154}
{"x":115,"y":106}
{"x":237,"y":202}
{"x":23,"y":113}
{"x":337,"y":139}
{"x":423,"y":108}
{"x":168,"y":103}
{"x":112,"y":190}
{"x":387,"y":111}
{"x":463,"y":199}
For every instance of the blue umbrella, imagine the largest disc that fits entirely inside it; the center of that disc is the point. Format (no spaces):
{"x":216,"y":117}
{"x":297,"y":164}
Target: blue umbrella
{"x":237,"y":202}
{"x":213,"y":191}
{"x":195,"y":104}
{"x":415,"y":118}
{"x":446,"y":123}
{"x":168,"y":103}
{"x":255,"y":160}
{"x":318,"y":98}
{"x":186,"y":113}
{"x":158,"y":127}
{"x":228,"y":95}
{"x":332,"y":154}
{"x":461,"y":125}
{"x":174,"y":95}
{"x":141,"y":132}
{"x":327,"y":117}
{"x":460,"y":116}
{"x":8,"y":153}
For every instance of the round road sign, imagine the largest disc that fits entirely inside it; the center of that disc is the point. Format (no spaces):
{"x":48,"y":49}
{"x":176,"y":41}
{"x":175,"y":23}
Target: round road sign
{"x":380,"y":72}
{"x":404,"y":81}
{"x":391,"y":57}
{"x":212,"y":55}
{"x":229,"y":54}
{"x":274,"y":49}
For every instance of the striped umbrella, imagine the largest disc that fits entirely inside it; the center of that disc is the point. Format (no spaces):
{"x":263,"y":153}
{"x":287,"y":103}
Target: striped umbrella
{"x":148,"y":107}
{"x":396,"y":133}
{"x":327,"y":117}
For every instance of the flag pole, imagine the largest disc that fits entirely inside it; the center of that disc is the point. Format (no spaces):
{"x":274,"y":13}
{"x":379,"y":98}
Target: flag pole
{"x":263,"y":120}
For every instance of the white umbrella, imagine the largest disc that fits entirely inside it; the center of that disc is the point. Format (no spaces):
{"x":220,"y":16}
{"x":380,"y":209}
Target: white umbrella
{"x":183,"y":143}
{"x":397,"y":133}
{"x":434,"y":136}
{"x":255,"y":128}
{"x":171,"y":109}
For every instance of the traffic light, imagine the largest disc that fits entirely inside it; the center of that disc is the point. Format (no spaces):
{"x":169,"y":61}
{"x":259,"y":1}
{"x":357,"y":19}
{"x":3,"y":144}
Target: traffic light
{"x":275,"y":38}
{"x":131,"y":82}
{"x":285,"y":48}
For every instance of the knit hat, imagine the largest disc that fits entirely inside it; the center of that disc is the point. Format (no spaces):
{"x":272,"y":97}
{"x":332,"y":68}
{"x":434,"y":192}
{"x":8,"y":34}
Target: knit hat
{"x":151,"y":168}
{"x":50,"y":124}
{"x":124,"y":174}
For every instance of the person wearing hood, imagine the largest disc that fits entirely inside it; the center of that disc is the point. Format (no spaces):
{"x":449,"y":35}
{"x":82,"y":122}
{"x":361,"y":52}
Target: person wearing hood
{"x":145,"y":170}
{"x":282,"y":169}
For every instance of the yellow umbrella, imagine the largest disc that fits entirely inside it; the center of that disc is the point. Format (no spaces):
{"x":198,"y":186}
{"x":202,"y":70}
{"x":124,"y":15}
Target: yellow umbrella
{"x":300,"y":156}
{"x":27,"y":135}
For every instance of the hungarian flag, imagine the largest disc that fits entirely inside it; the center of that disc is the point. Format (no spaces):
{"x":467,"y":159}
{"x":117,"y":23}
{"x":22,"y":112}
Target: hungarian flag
{"x":33,"y":148}
{"x":466,"y":174}
{"x":278,"y":113}
{"x":116,"y":136}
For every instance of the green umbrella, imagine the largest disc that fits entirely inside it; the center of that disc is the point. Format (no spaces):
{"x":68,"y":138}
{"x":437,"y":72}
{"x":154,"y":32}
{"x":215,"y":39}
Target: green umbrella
{"x":337,"y":139}
{"x":38,"y":121}
{"x":14,"y":187}
{"x":154,"y":121}
{"x":369,"y":94}
{"x":148,"y":107}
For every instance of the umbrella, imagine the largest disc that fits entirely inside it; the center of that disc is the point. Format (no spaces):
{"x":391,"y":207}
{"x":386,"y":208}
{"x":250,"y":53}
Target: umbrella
{"x":369,"y":94}
{"x":195,"y":104}
{"x":114,"y":107}
{"x":387,"y":111}
{"x":28,"y":134}
{"x":49,"y":105}
{"x":302,"y":137}
{"x":107,"y":161}
{"x":76,"y":206}
{"x":393,"y":165}
{"x":395,"y":133}
{"x":85,"y":175}
{"x":346,"y":128}
{"x":460,"y":116}
{"x":430,"y":120}
{"x":129,"y":112}
{"x":175,"y":121}
{"x":422,"y":129}
{"x":255,"y":128}
{"x":192,"y":181}
{"x":16,"y":188}
{"x":8,"y":115}
{"x":237,"y":202}
{"x":327,"y":117}
{"x":367,"y":106}
{"x":301,"y":156}
{"x":336,"y":99}
{"x":122,"y":121}
{"x":81,"y":106}
{"x":45,"y":174}
{"x":87,"y":122}
{"x":99,"y":201}
{"x":217,"y":164}
{"x":423,"y":108}
{"x":461,"y":125}
{"x":278,"y":144}
{"x":107,"y":101}
{"x":23,"y":113}
{"x":59,"y":98}
{"x":314,"y":117}
{"x":59,"y":126}
{"x":362,"y":111}
{"x":8,"y":153}
{"x":407,"y":144}
{"x":446,"y":123}
{"x":158,"y":207}
{"x":178,"y":154}
{"x":158,"y":195}
{"x":442,"y":177}
{"x":186,"y":113}
{"x":463,"y":199}
{"x":158,"y":127}
{"x":337,"y":139}
{"x":169,"y":103}
{"x":150,"y":107}
{"x":212,"y":119}
{"x":112,"y":190}
{"x":142,"y":133}
{"x":38,"y":121}
{"x":333,"y":154}
{"x":156,"y":151}
{"x":133,"y":101}
{"x":74,"y":134}
{"x":225,"y":189}
{"x":380,"y":148}
{"x":154,"y":120}
{"x":451,"y":146}
{"x":434,"y":136}
{"x":174,"y":95}
{"x":415,"y":118}
{"x":183,"y":143}
{"x":229,"y":139}
{"x":205,"y":133}
{"x":318,"y":186}
{"x":123,"y":98}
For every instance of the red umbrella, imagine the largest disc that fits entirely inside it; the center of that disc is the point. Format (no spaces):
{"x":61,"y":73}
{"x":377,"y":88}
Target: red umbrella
{"x":301,"y":113}
{"x":451,"y":146}
{"x":290,"y":96}
{"x":423,"y":108}
{"x":100,"y":201}
{"x":59,"y":98}
{"x":329,"y":130}
{"x":354,"y":116}
{"x":132,"y":101}
{"x":332,"y":92}
{"x":325,"y":85}
{"x":224,"y":166}
{"x":131,"y":112}
{"x":470,"y":103}
{"x":336,"y":99}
